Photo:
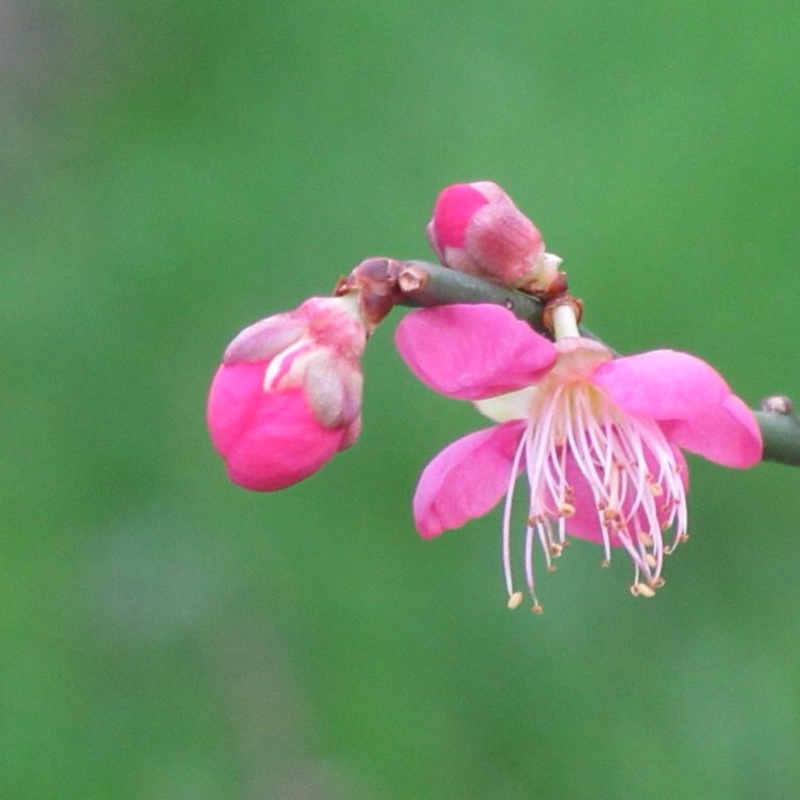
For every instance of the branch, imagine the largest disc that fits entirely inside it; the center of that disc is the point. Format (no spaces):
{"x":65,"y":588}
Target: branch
{"x":422,"y":284}
{"x":781,"y":435}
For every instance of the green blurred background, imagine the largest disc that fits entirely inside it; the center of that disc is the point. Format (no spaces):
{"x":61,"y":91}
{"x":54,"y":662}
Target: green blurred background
{"x":172,"y":172}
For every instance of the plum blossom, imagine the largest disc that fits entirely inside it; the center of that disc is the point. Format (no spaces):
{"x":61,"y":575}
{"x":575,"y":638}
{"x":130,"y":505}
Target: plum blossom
{"x":287,"y":396}
{"x":476,"y":228}
{"x":597,"y":438}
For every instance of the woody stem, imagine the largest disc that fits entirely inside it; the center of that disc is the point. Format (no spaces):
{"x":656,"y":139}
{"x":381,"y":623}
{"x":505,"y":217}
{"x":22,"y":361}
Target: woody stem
{"x":423,"y":284}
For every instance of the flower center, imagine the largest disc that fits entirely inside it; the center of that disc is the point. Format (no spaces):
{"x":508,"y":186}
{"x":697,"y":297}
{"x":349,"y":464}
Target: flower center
{"x":578,"y":358}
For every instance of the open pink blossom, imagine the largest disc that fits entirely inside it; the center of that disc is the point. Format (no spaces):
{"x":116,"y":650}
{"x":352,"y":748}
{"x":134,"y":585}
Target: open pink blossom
{"x":287,"y":396}
{"x":597,"y":437}
{"x":476,"y":228}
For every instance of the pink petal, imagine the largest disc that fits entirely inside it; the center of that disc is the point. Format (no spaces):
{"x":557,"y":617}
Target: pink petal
{"x":466,"y":479}
{"x":662,"y":384}
{"x":333,"y":388}
{"x":504,"y":243}
{"x":452,"y":212}
{"x":727,"y":434}
{"x":232,"y":402}
{"x":472,"y":352}
{"x":268,"y":440}
{"x":285,"y":444}
{"x":263,"y":340}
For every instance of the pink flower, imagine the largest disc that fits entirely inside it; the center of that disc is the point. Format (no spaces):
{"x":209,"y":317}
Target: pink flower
{"x":596,"y":437}
{"x":287,"y":397}
{"x":476,"y":228}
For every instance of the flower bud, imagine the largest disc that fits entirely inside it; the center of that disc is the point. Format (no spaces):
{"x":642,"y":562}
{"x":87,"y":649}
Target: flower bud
{"x":287,"y":396}
{"x":476,"y":228}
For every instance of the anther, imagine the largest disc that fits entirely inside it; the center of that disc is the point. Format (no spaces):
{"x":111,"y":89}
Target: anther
{"x":514,"y":600}
{"x":537,"y":609}
{"x":642,"y":590}
{"x":645,"y":539}
{"x":650,"y":560}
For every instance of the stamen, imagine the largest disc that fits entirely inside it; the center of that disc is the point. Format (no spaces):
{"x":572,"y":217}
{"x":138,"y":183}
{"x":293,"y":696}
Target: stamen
{"x":515,"y":600}
{"x":635,"y":555}
{"x":507,"y":513}
{"x":529,"y":559}
{"x":629,"y":467}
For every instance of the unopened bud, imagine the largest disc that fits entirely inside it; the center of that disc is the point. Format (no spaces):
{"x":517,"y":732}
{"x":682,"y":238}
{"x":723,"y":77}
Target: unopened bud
{"x":287,"y":397}
{"x":476,"y":228}
{"x":778,"y":404}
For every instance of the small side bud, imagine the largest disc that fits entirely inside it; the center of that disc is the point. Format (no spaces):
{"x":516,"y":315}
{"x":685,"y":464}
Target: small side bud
{"x":778,"y":404}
